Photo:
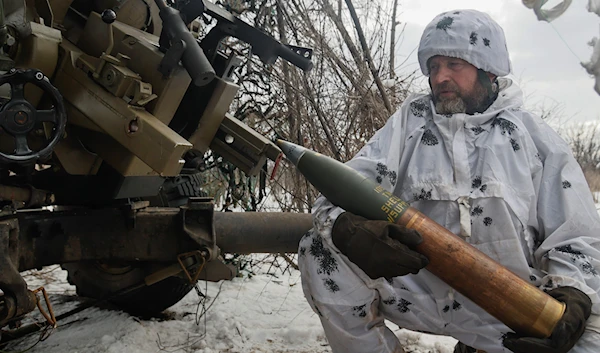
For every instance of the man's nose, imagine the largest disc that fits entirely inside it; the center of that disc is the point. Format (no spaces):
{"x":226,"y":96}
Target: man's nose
{"x":441,"y":75}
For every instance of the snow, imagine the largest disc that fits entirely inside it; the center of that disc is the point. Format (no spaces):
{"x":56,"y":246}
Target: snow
{"x":263,"y":311}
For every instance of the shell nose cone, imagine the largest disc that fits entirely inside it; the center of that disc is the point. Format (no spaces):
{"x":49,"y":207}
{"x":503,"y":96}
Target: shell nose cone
{"x":292,"y":151}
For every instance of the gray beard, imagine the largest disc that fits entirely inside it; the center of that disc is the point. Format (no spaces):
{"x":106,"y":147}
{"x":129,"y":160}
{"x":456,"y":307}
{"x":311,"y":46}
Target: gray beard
{"x":477,"y":102}
{"x":452,"y":106}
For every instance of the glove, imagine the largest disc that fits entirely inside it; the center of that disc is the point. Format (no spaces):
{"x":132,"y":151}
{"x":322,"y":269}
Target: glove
{"x":567,"y":331}
{"x":463,"y":348}
{"x":379,"y":248}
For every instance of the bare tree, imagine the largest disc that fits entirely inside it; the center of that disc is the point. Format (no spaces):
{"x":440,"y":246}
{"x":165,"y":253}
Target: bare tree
{"x":333,"y":109}
{"x":584,"y":140}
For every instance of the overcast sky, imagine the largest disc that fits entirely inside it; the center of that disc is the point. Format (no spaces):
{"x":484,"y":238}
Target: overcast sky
{"x":542,"y":63}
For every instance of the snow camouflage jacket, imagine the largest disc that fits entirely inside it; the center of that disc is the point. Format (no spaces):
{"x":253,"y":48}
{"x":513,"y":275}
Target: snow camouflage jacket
{"x":503,"y":180}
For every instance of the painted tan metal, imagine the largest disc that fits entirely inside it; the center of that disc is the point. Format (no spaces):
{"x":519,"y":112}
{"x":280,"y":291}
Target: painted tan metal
{"x":59,"y":10}
{"x":38,"y":50}
{"x":74,"y":158}
{"x":214,"y":114}
{"x":154,"y":143}
{"x":142,"y":48}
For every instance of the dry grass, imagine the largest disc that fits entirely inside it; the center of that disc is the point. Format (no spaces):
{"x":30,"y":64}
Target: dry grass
{"x":593,"y":179}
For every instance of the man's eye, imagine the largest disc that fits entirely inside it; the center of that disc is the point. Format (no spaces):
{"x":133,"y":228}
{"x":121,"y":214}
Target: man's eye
{"x":455,"y":65}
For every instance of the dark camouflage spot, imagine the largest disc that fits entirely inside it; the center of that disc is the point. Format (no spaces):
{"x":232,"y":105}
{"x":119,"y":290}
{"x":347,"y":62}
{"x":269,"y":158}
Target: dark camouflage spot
{"x":549,"y":284}
{"x":473,"y":38}
{"x":515,"y":145}
{"x":456,"y":305}
{"x":331,"y":286}
{"x":424,"y":195}
{"x":445,"y":23}
{"x":477,"y":130}
{"x":389,"y":301}
{"x":359,"y":310}
{"x":566,"y":184}
{"x":393,"y":177}
{"x":569,"y":250}
{"x":588,"y":268}
{"x":327,"y":263}
{"x":532,"y":278}
{"x":429,"y":138}
{"x":576,"y":256}
{"x":487,"y":221}
{"x":382,"y":169}
{"x":504,"y":125}
{"x":390,"y":280}
{"x":456,"y":12}
{"x":476,"y":182}
{"x":302,"y":251}
{"x":419,"y":107}
{"x":486,"y":42}
{"x":403,"y":306}
{"x":446,"y":308}
{"x":483,"y":187}
{"x":477,"y":211}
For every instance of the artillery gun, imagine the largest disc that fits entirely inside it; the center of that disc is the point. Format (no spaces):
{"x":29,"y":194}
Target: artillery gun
{"x":106,"y":108}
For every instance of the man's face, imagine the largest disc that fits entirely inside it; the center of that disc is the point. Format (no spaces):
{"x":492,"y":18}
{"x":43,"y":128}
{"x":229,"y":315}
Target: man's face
{"x":455,"y":86}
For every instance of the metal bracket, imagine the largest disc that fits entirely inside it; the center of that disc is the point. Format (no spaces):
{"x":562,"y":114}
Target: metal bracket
{"x":50,"y":318}
{"x":172,"y":57}
{"x":302,"y":51}
{"x":199,"y":258}
{"x":198,"y":223}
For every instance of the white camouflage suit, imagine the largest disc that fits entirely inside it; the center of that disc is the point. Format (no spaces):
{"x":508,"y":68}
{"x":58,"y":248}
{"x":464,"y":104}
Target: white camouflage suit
{"x":502,"y":180}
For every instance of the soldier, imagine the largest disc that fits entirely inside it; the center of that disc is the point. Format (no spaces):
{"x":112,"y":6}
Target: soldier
{"x":471,"y":158}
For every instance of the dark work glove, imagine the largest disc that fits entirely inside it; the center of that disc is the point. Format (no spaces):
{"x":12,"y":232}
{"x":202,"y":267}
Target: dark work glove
{"x":567,"y":331}
{"x":379,"y":248}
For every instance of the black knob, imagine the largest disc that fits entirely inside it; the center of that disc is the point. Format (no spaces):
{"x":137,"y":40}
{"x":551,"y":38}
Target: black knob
{"x":109,"y":16}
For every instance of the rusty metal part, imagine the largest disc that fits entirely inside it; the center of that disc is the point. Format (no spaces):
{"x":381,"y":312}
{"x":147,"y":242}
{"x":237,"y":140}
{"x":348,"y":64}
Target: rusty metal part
{"x":30,"y":196}
{"x":198,"y":217}
{"x":150,"y":234}
{"x":52,"y":320}
{"x":17,"y":299}
{"x":198,"y":258}
{"x":49,"y":316}
{"x":260,"y":232}
{"x":33,"y":239}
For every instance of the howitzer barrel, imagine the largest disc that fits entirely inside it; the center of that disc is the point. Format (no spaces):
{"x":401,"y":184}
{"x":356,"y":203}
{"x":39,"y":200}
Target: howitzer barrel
{"x":265,"y":232}
{"x":519,"y":305}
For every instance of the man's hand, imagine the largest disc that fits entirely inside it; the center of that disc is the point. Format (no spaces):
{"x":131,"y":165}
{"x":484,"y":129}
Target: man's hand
{"x":567,"y":330}
{"x":379,"y":248}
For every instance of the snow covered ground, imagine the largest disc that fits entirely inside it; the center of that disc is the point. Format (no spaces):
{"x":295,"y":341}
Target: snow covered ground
{"x":262,"y":312}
